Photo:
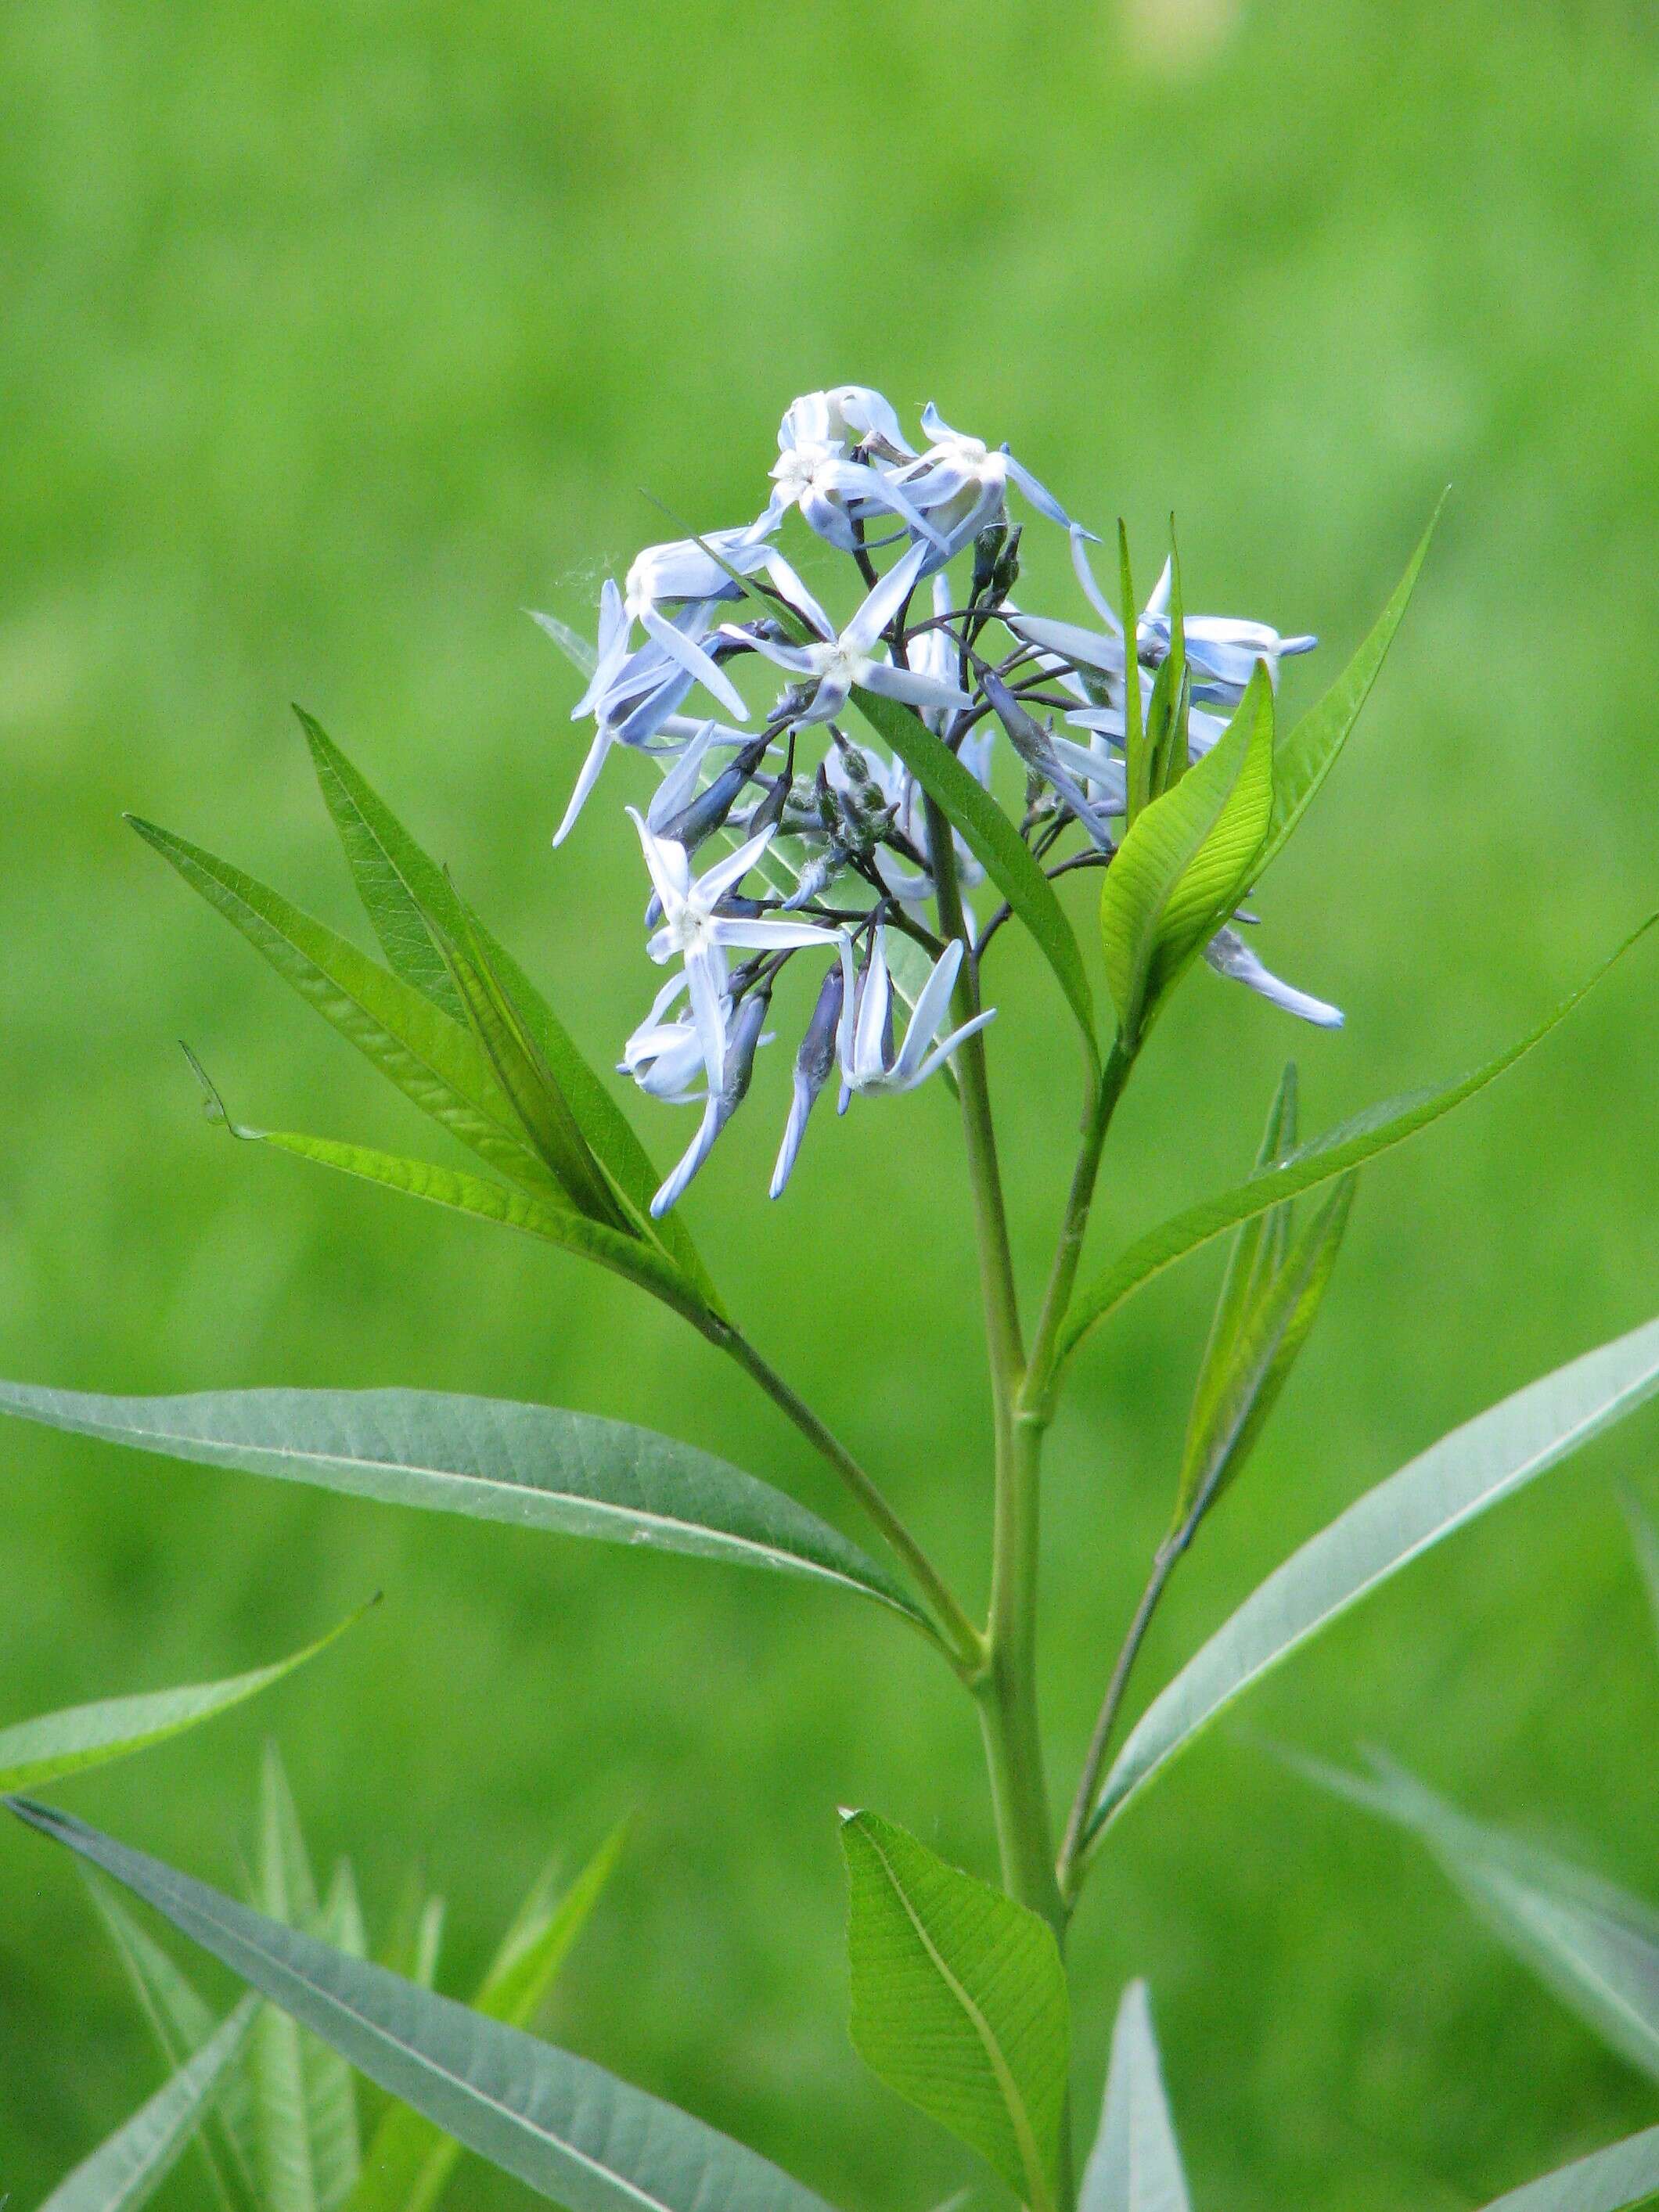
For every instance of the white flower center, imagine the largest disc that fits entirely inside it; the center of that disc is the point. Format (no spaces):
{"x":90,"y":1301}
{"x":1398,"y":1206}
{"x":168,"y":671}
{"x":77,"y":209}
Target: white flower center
{"x":797,"y":472}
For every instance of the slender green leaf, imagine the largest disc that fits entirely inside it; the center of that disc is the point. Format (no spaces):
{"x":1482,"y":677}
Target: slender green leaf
{"x":406,"y":892}
{"x":958,"y":2002}
{"x":410,"y":2160}
{"x":1186,"y":863}
{"x":1266,"y":1349}
{"x":125,"y":2172}
{"x":415,"y":1943}
{"x":1309,"y":752}
{"x":56,"y":1744}
{"x":1252,"y":1262}
{"x":182,"y":2022}
{"x":1594,"y":1945}
{"x":994,"y":842}
{"x":1135,"y":2165}
{"x":1612,"y":2180}
{"x":1644,"y":1537}
{"x":431,"y":1061}
{"x":1487,"y":1460}
{"x":1348,"y":1145}
{"x":536,"y":1467}
{"x":564,"y":2126}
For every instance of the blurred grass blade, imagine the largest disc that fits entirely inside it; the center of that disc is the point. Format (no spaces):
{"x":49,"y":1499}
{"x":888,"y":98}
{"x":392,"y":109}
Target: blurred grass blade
{"x":958,"y":2002}
{"x":410,"y":2160}
{"x":1135,"y":2165}
{"x":1241,"y":1400}
{"x":415,"y":1943}
{"x":1644,"y":1538}
{"x":544,"y":1214}
{"x":994,"y":842}
{"x":1310,"y":751}
{"x":577,"y":650}
{"x":304,"y":2102}
{"x":1186,"y":862}
{"x":1487,"y":1460}
{"x":125,"y":2172}
{"x":182,"y":2022}
{"x":535,"y":1467}
{"x":1612,"y":2180}
{"x":431,"y":1060}
{"x":1348,"y":1145}
{"x":1595,"y":1945}
{"x":45,"y":1749}
{"x":413,"y":895}
{"x":564,"y":2126}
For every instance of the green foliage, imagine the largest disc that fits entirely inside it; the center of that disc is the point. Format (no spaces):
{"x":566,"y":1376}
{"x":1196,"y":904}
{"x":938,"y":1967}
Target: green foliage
{"x":532,"y":1466}
{"x":1135,"y":2165}
{"x":125,"y":2172}
{"x":36,"y":1751}
{"x":1611,"y":2180}
{"x":1348,"y":1145}
{"x":1473,"y":1468}
{"x":563,"y":2125}
{"x":958,"y":2002}
{"x":1186,"y":862}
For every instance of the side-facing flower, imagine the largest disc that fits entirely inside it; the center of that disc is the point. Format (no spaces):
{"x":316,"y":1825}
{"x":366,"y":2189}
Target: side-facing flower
{"x":869,"y":1063}
{"x":961,"y":485}
{"x":724,"y":1098}
{"x":833,"y":664}
{"x":816,"y":469}
{"x":694,"y":930}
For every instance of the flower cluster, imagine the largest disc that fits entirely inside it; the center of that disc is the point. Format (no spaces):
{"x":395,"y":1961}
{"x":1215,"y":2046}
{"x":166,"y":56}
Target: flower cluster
{"x":826,"y":844}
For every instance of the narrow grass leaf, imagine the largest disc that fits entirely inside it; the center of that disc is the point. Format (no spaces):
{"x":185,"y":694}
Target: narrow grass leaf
{"x":1594,"y":1945}
{"x":1310,"y":751}
{"x":125,"y":2172}
{"x":994,"y":842}
{"x":1487,"y":1460}
{"x":958,"y":2002}
{"x":410,"y":2162}
{"x":1645,"y":1539}
{"x":534,"y":1467}
{"x":47,"y":1749}
{"x":1612,"y":2180}
{"x":1135,"y":2165}
{"x":1348,"y":1145}
{"x":565,"y":2127}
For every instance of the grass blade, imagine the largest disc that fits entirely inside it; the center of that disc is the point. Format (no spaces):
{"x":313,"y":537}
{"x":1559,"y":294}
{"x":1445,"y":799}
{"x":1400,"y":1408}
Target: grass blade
{"x":1135,"y":2165}
{"x":1612,"y":2180}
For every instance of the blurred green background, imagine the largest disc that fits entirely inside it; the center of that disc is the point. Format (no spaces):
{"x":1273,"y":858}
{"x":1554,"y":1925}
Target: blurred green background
{"x":336,"y":336}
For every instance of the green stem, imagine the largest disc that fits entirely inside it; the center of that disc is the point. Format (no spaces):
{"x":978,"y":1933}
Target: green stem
{"x":961,"y":1641}
{"x":1041,"y":1380}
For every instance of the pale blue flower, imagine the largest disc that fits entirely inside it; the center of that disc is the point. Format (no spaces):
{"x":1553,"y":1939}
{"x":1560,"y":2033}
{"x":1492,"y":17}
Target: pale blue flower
{"x":1229,"y":955}
{"x":816,"y":470}
{"x":869,"y":1064}
{"x":813,"y":1064}
{"x":961,"y":485}
{"x":723,"y":1100}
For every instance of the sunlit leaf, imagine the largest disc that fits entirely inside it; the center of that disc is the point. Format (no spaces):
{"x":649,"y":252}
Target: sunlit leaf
{"x":958,"y":2002}
{"x":43,"y":1750}
{"x":535,"y":1467}
{"x":1186,"y":863}
{"x":410,"y":2160}
{"x":1594,"y":1945}
{"x":1612,"y":2180}
{"x":1487,"y":1460}
{"x":570,"y":2130}
{"x":1348,"y":1145}
{"x":1135,"y":2165}
{"x":125,"y":2172}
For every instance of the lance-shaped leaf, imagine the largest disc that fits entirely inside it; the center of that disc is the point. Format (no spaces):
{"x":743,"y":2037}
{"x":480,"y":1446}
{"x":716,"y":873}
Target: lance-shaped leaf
{"x":1645,"y":1539}
{"x":994,"y":842}
{"x":410,"y":2161}
{"x":1232,"y":1407}
{"x":1612,"y":2180}
{"x":44,"y":1750}
{"x":1593,"y":1944}
{"x":534,"y":1467}
{"x":958,"y":2002}
{"x":1186,"y":863}
{"x":1488,"y":1459}
{"x":305,"y":2115}
{"x":125,"y":2172}
{"x":1348,"y":1145}
{"x":1135,"y":2165}
{"x":565,"y":2127}
{"x":432,"y":1061}
{"x":182,"y":2022}
{"x":1169,"y":714}
{"x":1309,"y":752}
{"x":1136,"y":765}
{"x":414,"y":907}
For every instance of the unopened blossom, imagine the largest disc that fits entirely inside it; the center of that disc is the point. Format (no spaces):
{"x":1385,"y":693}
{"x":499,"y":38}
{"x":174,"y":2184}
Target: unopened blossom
{"x":694,"y":930}
{"x":869,"y":1064}
{"x":1229,"y":955}
{"x":833,"y":664}
{"x":724,"y":1096}
{"x":813,"y":1064}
